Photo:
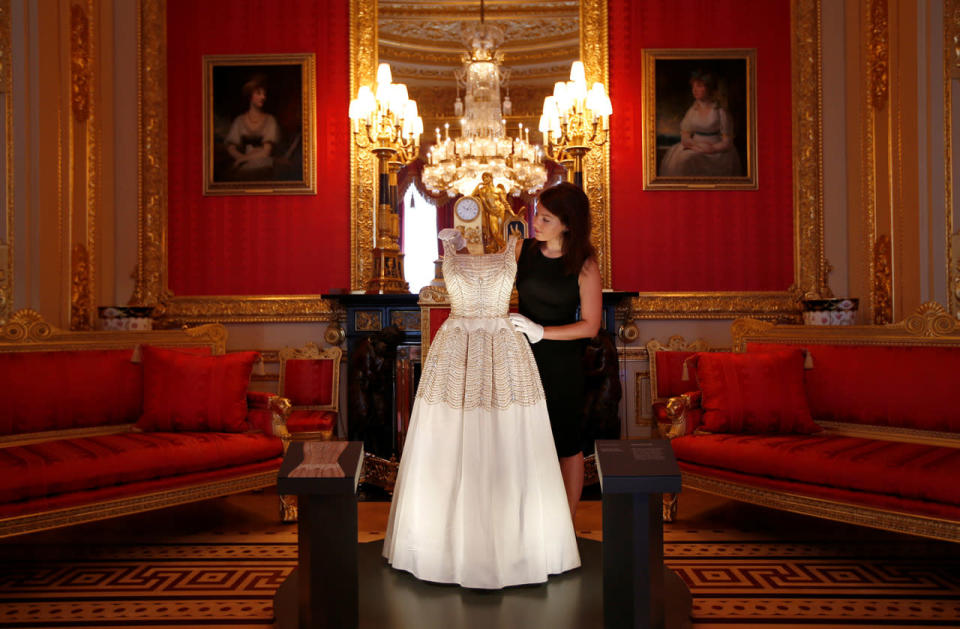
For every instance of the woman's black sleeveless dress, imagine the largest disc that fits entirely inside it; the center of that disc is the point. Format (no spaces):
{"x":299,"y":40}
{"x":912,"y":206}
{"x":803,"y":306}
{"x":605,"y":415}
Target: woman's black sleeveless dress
{"x":550,"y":297}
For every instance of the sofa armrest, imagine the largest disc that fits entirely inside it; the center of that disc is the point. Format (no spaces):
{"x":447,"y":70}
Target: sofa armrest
{"x":269,"y":412}
{"x":677,"y":410}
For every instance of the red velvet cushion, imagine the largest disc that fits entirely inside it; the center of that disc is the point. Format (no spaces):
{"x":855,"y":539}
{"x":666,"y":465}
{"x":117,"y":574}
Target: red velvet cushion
{"x":69,"y":389}
{"x":670,"y":382}
{"x":908,"y":470}
{"x":311,"y":421}
{"x":183,"y":391}
{"x":887,"y":386}
{"x":754,"y":393}
{"x":309,"y":382}
{"x":68,"y":465}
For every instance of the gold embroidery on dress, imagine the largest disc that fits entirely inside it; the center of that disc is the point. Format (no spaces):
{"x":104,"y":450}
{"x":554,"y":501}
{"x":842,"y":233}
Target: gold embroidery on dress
{"x":480,"y":369}
{"x":470,"y":365}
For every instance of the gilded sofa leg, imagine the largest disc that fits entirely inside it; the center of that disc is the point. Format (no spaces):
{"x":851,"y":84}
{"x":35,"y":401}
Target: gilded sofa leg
{"x":288,"y":508}
{"x":670,"y":503}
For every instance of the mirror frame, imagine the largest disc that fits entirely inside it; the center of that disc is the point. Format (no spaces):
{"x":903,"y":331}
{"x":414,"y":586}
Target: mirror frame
{"x":364,"y":60}
{"x":810,"y":267}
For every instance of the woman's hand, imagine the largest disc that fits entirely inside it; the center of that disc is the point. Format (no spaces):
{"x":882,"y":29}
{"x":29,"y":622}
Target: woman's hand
{"x":534,"y":331}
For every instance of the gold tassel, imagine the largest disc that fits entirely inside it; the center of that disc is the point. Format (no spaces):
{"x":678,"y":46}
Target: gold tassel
{"x":136,"y":357}
{"x":261,"y":370}
{"x":807,"y":359}
{"x":685,"y":374}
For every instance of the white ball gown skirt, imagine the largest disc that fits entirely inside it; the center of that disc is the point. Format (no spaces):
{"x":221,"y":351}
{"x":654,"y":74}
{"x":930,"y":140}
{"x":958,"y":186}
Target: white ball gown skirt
{"x":479,"y":498}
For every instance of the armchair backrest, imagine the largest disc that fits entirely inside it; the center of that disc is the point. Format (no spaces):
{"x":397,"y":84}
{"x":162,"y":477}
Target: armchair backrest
{"x":666,"y":367}
{"x":310,"y":377}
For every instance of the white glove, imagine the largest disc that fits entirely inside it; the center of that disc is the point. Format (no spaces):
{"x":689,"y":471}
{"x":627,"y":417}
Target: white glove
{"x":454,"y":237}
{"x":534,"y":331}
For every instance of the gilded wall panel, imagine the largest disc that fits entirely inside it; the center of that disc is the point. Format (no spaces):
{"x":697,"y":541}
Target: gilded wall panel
{"x":6,"y":176}
{"x":151,"y":274}
{"x":951,"y":73}
{"x":810,"y":266}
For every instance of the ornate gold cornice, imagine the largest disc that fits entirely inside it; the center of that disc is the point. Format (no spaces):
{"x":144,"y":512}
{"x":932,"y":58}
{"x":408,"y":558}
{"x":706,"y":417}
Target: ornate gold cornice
{"x":809,"y":262}
{"x":6,"y":212}
{"x":879,"y":54}
{"x":247,"y":309}
{"x":782,"y":306}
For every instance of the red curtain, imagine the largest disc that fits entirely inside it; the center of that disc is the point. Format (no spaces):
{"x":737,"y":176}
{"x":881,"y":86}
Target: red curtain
{"x":257,"y":245}
{"x":730,"y":240}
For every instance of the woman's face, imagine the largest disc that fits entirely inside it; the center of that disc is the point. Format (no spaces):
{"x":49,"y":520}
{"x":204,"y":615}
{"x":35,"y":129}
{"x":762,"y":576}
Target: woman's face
{"x":700,"y":90}
{"x":546,"y":226}
{"x":258,"y":97}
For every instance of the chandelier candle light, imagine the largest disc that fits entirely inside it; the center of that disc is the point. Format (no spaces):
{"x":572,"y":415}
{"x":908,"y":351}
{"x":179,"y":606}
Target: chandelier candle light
{"x":575,"y":119}
{"x":456,"y":165}
{"x":386,"y":122}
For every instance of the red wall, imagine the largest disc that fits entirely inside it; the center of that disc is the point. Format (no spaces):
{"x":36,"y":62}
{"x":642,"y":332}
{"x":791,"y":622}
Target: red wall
{"x":729,"y":240}
{"x":257,"y":245}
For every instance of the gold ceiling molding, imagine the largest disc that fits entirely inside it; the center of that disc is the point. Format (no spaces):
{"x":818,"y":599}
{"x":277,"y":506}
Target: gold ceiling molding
{"x":879,"y":54}
{"x":151,"y":273}
{"x":403,"y":10}
{"x":951,"y":72}
{"x":6,"y":212}
{"x":810,"y":266}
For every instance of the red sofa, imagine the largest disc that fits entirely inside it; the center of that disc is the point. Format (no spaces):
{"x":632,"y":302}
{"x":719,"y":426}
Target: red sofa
{"x":70,"y":447}
{"x":888,"y":454}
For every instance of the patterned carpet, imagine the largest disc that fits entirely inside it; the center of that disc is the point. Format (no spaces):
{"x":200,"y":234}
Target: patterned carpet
{"x":226,"y":576}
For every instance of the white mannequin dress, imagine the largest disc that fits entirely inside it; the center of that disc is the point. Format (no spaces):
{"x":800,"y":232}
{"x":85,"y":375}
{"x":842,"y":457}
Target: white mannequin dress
{"x":479,"y":499}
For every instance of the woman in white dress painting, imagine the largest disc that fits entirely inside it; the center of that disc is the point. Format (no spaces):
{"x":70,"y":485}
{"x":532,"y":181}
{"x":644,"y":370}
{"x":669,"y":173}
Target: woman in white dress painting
{"x":479,"y":499}
{"x":253,"y":135}
{"x":706,"y":147}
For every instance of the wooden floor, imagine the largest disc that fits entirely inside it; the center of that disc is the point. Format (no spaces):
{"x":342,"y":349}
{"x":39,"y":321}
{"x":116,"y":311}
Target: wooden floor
{"x":218,"y":563}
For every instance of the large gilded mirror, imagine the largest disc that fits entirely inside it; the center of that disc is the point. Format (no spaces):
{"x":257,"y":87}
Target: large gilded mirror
{"x":422,"y":43}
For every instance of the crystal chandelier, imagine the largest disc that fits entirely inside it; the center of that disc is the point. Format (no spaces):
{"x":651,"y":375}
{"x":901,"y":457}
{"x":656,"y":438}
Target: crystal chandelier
{"x":456,"y":165}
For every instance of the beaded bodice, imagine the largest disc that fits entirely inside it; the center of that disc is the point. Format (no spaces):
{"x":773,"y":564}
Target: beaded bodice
{"x":479,"y":285}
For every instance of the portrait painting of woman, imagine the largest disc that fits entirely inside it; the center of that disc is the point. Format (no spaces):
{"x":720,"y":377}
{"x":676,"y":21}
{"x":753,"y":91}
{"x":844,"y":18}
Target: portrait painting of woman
{"x":258,"y":124}
{"x":699,"y":119}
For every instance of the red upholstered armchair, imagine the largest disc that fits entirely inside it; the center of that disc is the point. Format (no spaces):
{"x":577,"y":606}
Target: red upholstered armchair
{"x":670,"y":379}
{"x":310,"y":379}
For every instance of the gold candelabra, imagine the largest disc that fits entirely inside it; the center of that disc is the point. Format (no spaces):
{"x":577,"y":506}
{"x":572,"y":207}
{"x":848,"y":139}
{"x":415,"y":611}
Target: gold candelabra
{"x":385,"y":122}
{"x":574,"y":120}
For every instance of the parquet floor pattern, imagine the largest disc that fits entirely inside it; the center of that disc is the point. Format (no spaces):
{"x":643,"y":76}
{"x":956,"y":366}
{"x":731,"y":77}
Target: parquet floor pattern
{"x":218,"y":564}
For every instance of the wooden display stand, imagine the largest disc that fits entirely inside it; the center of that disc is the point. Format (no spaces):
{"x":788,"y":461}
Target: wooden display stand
{"x":324,"y":590}
{"x":638,"y":589}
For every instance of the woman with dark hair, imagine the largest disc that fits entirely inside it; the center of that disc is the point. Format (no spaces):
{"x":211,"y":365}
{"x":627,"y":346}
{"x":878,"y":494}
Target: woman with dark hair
{"x":557,"y":273}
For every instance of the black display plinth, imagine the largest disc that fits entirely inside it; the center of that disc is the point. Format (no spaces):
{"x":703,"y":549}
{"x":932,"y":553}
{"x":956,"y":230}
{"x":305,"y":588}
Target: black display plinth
{"x":323,"y":592}
{"x":638,"y":589}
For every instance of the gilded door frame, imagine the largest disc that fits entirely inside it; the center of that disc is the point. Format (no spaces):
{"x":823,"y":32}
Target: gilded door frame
{"x":809,"y":262}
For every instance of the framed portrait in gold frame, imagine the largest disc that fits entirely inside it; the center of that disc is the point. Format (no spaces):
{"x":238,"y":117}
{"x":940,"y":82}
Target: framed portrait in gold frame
{"x":258,"y":124}
{"x":700,"y":119}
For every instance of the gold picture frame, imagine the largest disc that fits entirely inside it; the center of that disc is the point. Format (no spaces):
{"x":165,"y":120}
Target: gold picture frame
{"x":700,"y":119}
{"x":258,"y":124}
